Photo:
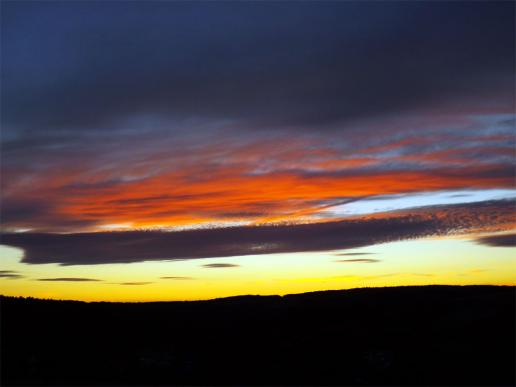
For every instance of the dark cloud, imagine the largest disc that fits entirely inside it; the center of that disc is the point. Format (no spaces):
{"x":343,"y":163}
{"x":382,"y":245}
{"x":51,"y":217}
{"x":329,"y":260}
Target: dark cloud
{"x":99,"y":95}
{"x":308,"y":64}
{"x":135,"y":246}
{"x":16,"y":210}
{"x":352,"y":254}
{"x":505,"y":240}
{"x":69,"y":279}
{"x":135,"y":283}
{"x":490,"y":172}
{"x":37,"y":213}
{"x":177,"y":278}
{"x":10,"y":274}
{"x":359,"y":260}
{"x":219,"y":265}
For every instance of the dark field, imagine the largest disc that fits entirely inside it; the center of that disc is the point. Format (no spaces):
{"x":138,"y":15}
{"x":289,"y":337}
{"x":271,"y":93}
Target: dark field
{"x":431,"y":335}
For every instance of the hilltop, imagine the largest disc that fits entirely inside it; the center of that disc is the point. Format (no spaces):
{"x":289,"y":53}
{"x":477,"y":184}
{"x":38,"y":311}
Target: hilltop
{"x":438,"y":335}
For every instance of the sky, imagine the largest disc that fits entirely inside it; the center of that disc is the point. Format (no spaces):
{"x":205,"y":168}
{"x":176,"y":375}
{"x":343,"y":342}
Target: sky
{"x":159,"y":150}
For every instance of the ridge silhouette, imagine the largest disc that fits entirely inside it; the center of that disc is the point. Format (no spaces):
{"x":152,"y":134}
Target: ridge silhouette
{"x":424,"y":335}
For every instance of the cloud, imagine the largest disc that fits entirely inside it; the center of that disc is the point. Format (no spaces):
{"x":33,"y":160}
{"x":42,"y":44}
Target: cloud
{"x":176,"y":137}
{"x":69,"y":279}
{"x":476,"y":271}
{"x":178,"y":278}
{"x":504,"y":240}
{"x":16,"y":213}
{"x":331,"y":70}
{"x":16,"y":210}
{"x":257,"y":198}
{"x":10,"y":274}
{"x":359,"y":260}
{"x":219,"y":265}
{"x":135,"y":283}
{"x":136,"y":246}
{"x":352,"y":254}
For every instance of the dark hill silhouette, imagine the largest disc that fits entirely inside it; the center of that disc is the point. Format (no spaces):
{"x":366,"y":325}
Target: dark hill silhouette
{"x":428,"y":335}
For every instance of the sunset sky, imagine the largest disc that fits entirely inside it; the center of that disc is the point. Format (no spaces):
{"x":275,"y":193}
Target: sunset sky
{"x":188,"y":150}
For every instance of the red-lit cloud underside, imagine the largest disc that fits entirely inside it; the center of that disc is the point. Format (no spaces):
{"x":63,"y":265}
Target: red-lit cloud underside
{"x":255,"y":182}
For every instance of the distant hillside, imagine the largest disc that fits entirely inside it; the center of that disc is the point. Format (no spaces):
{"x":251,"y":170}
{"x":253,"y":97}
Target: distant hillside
{"x":433,"y":335}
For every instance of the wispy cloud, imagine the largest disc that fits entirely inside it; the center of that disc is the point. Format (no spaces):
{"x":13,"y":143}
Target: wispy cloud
{"x":10,"y":274}
{"x":136,"y":246}
{"x":69,"y":279}
{"x":359,"y":260}
{"x":352,"y":254}
{"x":219,"y":265}
{"x":191,"y":145}
{"x":503,"y":240}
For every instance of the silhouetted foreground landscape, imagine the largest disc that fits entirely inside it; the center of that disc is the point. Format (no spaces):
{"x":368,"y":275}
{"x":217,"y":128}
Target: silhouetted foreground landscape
{"x":433,"y":335}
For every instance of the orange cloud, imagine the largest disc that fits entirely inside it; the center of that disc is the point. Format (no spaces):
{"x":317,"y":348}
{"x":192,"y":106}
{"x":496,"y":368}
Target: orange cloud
{"x":181,"y":198}
{"x":260,"y":181}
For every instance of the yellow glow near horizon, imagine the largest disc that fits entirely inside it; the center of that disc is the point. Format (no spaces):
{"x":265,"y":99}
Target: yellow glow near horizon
{"x":418,"y":262}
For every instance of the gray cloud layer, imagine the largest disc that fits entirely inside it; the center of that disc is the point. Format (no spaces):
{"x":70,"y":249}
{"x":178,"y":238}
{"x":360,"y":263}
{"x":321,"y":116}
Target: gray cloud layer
{"x":307,"y":64}
{"x":505,"y":240}
{"x":10,"y":274}
{"x":113,"y":91}
{"x":69,"y":279}
{"x":135,"y":246}
{"x":219,"y":265}
{"x":358,"y":260}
